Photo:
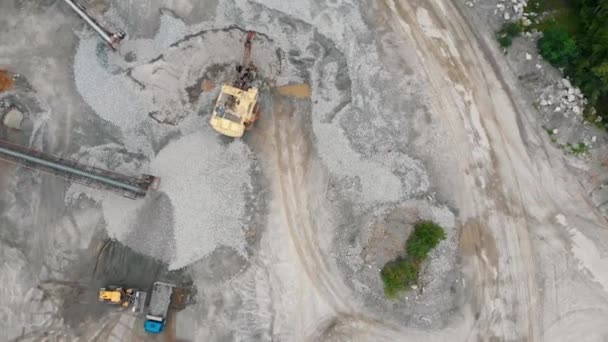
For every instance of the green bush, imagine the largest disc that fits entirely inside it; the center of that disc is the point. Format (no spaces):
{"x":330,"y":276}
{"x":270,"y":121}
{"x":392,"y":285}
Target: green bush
{"x":506,"y":34}
{"x":578,"y":149}
{"x":558,"y":47}
{"x":426,"y":236}
{"x":398,"y":276}
{"x":575,"y":38}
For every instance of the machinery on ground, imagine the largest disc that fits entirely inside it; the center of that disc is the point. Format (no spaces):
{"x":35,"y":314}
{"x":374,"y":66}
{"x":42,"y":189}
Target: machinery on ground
{"x":159,"y":307}
{"x":128,"y":186}
{"x":113,"y":39}
{"x":126,"y":298}
{"x":236,"y":108}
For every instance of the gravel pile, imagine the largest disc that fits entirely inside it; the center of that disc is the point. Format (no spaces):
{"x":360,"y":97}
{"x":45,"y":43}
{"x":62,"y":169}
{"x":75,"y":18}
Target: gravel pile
{"x":564,"y":98}
{"x":206,"y":183}
{"x":512,"y":10}
{"x":204,"y":179}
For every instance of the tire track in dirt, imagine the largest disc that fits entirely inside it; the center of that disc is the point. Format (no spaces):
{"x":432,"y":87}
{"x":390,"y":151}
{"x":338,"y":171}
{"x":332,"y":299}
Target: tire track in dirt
{"x":293,"y":155}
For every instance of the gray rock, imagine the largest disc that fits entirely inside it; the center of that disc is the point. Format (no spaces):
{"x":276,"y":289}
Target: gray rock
{"x":13,"y":119}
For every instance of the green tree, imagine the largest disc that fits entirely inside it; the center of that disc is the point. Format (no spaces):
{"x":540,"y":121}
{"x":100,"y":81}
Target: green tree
{"x":426,"y":236}
{"x":558,"y":47}
{"x":398,"y":276}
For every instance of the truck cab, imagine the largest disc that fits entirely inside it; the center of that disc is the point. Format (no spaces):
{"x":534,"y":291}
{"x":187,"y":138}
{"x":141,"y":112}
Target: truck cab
{"x":153,"y":326}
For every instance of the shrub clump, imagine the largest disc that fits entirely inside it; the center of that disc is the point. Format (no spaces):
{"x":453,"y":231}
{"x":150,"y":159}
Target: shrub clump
{"x":558,"y":47}
{"x":399,"y":275}
{"x":506,"y":34}
{"x":426,"y":236}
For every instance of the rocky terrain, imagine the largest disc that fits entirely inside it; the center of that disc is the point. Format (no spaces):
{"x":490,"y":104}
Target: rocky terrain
{"x":374,"y":115}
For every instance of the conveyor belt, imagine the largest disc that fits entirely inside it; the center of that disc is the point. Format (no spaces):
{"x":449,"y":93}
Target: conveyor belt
{"x":127,"y":186}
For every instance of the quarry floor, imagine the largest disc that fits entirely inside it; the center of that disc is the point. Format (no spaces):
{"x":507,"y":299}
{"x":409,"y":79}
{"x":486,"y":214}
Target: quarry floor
{"x":400,"y":111}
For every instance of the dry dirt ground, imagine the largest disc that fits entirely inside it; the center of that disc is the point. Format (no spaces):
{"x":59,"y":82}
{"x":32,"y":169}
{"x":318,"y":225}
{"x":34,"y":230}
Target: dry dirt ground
{"x":410,"y":114}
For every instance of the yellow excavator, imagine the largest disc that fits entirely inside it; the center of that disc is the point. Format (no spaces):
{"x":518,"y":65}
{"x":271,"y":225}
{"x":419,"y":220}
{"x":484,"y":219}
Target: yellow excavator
{"x":236,"y":108}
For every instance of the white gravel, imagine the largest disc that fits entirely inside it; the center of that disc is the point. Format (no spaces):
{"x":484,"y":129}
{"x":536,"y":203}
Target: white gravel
{"x":206,"y":182}
{"x":113,"y":97}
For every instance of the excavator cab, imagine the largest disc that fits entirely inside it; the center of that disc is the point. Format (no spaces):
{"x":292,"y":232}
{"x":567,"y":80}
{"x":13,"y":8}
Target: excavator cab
{"x":236,"y":108}
{"x":235,"y":111}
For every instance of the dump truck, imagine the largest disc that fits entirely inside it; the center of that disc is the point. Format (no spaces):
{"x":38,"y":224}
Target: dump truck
{"x":236,"y":108}
{"x":160,"y":301}
{"x":126,"y":298}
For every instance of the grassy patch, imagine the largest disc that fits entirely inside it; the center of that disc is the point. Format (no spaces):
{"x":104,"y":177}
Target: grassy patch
{"x":546,"y":13}
{"x":591,"y":116}
{"x":551,"y":133}
{"x":425,"y":237}
{"x":578,"y":149}
{"x":399,"y":275}
{"x":506,"y":34}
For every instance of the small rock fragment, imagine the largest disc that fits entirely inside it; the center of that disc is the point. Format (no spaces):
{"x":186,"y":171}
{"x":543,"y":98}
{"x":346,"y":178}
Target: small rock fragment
{"x":13,"y":119}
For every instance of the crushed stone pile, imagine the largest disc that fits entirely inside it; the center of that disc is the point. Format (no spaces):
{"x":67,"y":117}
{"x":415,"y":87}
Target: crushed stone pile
{"x":206,"y":183}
